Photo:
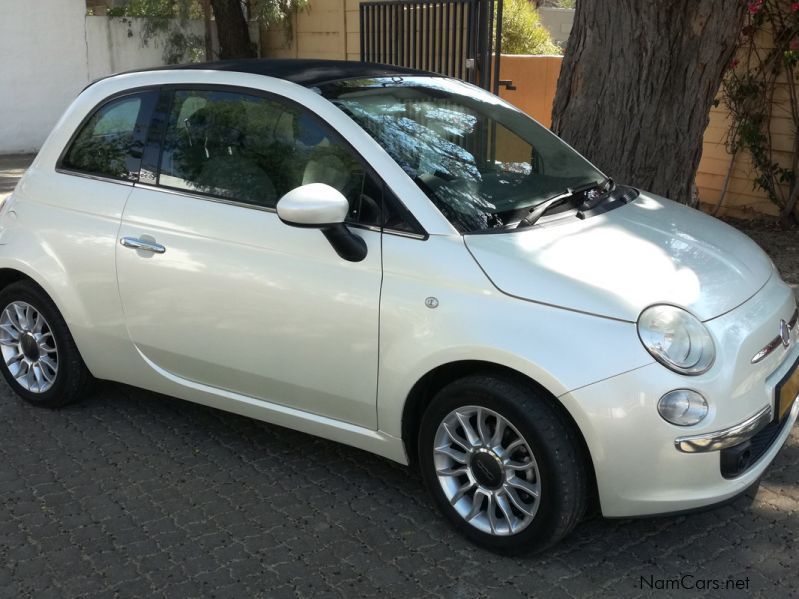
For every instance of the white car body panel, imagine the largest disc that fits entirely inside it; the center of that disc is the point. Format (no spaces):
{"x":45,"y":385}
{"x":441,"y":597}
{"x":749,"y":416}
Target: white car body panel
{"x":620,"y":423}
{"x":258,"y":284}
{"x":474,"y":321}
{"x":669,"y":252}
{"x":338,"y":346}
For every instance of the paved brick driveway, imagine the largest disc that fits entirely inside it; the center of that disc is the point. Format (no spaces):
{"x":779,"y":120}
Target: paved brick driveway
{"x":134,"y":494}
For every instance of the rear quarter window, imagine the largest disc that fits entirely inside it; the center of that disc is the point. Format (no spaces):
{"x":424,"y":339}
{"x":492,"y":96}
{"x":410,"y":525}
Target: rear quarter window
{"x":111,"y":141}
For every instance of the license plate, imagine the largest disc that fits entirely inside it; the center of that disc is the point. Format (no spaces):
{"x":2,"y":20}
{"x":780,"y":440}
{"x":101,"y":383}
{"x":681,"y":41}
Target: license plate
{"x":787,"y":390}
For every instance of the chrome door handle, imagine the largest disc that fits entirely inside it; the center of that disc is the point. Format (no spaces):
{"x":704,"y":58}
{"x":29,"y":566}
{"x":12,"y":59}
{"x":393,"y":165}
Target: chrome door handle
{"x":140,"y":244}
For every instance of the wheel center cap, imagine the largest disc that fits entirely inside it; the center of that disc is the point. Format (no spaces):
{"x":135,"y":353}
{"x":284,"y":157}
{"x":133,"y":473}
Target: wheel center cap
{"x":486,"y":469}
{"x":30,"y":348}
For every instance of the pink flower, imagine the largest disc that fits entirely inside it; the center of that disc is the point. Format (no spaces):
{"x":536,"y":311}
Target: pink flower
{"x":795,"y":6}
{"x":755,"y":6}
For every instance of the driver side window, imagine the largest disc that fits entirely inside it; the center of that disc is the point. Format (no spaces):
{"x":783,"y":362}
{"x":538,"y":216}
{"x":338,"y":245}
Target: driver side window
{"x":253,"y":150}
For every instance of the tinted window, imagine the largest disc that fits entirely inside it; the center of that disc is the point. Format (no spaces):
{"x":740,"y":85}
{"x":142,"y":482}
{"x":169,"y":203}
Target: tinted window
{"x":254,"y":150}
{"x":112,"y":141}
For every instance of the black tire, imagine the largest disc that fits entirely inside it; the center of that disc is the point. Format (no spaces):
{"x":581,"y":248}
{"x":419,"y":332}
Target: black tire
{"x":561,"y":462}
{"x":72,"y":380}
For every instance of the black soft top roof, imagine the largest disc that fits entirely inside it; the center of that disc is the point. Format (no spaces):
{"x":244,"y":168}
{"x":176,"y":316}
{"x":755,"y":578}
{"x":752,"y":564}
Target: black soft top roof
{"x":300,"y":71}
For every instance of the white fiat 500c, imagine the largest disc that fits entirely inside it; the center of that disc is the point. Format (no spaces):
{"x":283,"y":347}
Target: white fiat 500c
{"x":407,"y":264}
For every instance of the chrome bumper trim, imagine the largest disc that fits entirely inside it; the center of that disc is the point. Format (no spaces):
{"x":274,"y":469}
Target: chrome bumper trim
{"x":778,"y":340}
{"x":728,"y":437}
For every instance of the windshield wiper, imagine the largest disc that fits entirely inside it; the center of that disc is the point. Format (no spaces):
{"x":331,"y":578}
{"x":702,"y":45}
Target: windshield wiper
{"x":544,"y":206}
{"x":595,"y":197}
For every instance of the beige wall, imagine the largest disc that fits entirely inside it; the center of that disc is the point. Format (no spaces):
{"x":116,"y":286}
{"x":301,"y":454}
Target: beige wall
{"x":535,"y":79}
{"x":327,"y":29}
{"x":741,"y":199}
{"x":558,"y":21}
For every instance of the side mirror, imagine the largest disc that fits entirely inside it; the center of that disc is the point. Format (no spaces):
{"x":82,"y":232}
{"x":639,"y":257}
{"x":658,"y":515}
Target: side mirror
{"x":320,"y":206}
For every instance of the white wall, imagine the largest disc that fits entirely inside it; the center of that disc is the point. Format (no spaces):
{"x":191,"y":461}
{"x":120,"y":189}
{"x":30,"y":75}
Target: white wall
{"x":559,"y":22}
{"x":42,"y":67}
{"x":50,"y":51}
{"x":117,"y":45}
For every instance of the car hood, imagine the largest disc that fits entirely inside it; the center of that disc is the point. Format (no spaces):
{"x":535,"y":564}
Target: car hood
{"x":616,"y":264}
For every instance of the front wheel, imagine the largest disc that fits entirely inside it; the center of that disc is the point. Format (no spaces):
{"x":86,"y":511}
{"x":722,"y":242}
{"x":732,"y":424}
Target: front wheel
{"x":502,"y":464}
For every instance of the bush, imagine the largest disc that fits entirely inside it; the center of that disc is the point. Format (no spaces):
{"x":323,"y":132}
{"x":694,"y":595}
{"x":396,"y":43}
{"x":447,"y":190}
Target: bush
{"x":522,"y":31}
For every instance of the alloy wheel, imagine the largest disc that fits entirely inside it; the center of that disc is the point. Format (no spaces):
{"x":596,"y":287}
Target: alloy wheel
{"x":28,"y":347}
{"x":487,"y":470}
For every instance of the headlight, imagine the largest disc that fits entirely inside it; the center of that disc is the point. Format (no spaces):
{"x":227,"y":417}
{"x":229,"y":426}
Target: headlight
{"x":682,"y":407}
{"x":676,"y":339}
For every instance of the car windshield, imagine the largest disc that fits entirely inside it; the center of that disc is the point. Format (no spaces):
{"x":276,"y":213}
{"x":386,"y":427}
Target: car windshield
{"x":483,"y":163}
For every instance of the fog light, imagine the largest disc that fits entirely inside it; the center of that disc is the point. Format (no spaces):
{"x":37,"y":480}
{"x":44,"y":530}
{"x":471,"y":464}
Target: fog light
{"x":682,"y":407}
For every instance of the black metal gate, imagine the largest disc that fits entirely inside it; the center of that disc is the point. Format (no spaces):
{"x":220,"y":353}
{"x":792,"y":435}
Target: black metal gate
{"x":458,"y":38}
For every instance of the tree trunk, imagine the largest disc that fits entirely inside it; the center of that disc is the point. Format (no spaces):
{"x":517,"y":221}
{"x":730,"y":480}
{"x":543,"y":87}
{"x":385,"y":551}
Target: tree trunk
{"x":209,"y":40}
{"x":637,"y":84}
{"x":232,"y":30}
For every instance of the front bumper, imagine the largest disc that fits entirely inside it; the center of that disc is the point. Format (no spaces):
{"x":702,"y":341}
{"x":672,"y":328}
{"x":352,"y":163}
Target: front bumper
{"x":646,"y":466}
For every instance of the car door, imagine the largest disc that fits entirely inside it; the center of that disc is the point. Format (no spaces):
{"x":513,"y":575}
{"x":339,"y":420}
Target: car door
{"x":218,"y":291}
